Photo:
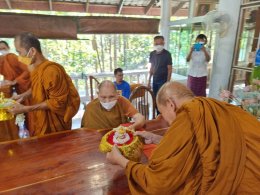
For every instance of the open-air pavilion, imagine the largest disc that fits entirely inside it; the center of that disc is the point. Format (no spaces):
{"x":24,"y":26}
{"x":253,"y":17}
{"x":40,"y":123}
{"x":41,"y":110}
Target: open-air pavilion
{"x":104,"y":31}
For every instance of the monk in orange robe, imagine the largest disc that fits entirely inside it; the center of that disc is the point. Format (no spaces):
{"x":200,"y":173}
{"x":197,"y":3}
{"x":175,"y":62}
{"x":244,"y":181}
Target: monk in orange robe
{"x":15,"y":75}
{"x":211,"y":147}
{"x":54,"y":98}
{"x":110,"y":110}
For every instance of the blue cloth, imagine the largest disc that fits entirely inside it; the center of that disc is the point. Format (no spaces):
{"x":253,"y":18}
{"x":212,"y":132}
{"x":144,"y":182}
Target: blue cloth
{"x":124,"y":87}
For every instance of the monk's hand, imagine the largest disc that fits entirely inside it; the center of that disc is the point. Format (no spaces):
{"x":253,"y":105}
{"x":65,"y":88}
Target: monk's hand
{"x":114,"y":155}
{"x":8,"y":83}
{"x":148,"y":137}
{"x":116,"y":158}
{"x":131,"y":127}
{"x":18,"y":109}
{"x":17,"y":98}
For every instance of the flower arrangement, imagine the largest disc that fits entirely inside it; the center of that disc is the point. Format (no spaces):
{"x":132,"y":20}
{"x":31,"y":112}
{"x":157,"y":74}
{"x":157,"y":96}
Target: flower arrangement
{"x":19,"y":120}
{"x":248,"y":97}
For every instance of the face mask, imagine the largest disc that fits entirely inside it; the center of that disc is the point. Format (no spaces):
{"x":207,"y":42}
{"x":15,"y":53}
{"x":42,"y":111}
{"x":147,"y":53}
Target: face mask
{"x":108,"y":105}
{"x":202,"y":43}
{"x":158,"y":48}
{"x":25,"y":59}
{"x":3,"y":52}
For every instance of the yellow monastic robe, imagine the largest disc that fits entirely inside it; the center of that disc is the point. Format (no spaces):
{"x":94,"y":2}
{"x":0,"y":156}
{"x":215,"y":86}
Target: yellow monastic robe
{"x":211,"y":148}
{"x":96,"y":117}
{"x":51,"y":84}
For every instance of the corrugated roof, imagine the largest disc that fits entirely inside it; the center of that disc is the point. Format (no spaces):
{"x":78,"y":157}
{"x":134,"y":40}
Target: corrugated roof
{"x":123,"y":7}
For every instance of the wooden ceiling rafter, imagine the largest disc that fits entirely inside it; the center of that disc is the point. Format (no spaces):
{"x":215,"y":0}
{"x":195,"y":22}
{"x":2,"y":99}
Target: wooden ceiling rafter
{"x":149,"y":6}
{"x":50,"y":5}
{"x":87,"y":6}
{"x":120,"y":6}
{"x":179,"y":6}
{"x":8,"y":4}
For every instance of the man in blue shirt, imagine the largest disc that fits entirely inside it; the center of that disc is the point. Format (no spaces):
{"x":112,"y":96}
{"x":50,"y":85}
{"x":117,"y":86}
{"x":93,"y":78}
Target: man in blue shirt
{"x":122,"y":86}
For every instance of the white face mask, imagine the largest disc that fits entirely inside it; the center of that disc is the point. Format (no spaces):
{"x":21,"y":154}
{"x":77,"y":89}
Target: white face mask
{"x":158,"y":48}
{"x":108,"y":105}
{"x":3,"y":52}
{"x":202,"y":43}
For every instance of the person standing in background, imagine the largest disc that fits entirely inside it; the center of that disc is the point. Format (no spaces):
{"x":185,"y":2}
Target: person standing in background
{"x":198,"y":59}
{"x":161,"y":65}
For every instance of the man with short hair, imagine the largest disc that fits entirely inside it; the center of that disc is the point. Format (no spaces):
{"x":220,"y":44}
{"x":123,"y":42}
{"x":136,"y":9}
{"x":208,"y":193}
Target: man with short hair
{"x":110,"y":110}
{"x":121,"y":85}
{"x":54,"y":98}
{"x":211,"y":147}
{"x":161,"y":65}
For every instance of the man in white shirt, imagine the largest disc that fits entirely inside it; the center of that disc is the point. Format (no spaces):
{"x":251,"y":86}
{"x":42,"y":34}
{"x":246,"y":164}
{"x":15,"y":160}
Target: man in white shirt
{"x":199,"y":56}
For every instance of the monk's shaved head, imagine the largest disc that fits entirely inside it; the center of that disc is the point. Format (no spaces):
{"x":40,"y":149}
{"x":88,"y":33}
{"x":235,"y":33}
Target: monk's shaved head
{"x":108,"y":85}
{"x":173,"y":90}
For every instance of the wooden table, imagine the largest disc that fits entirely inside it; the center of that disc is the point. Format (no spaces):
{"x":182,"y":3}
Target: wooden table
{"x":65,"y":163}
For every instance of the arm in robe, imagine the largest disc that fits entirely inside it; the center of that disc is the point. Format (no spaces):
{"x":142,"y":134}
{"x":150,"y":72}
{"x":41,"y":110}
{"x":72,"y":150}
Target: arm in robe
{"x":130,"y":111}
{"x":56,"y":88}
{"x":23,"y":79}
{"x":170,"y":165}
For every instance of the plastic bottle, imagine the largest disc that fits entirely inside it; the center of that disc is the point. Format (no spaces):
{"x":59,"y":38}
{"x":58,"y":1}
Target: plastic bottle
{"x":14,"y":91}
{"x":23,"y":132}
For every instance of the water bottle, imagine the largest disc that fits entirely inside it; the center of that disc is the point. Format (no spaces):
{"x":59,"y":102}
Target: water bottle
{"x":23,"y":132}
{"x":14,"y":91}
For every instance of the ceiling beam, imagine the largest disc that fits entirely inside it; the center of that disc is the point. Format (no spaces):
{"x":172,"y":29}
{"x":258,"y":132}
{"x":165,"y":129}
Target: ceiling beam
{"x":120,"y":6}
{"x":149,"y":6}
{"x":87,"y":6}
{"x":50,"y":5}
{"x":8,"y":4}
{"x":176,"y":8}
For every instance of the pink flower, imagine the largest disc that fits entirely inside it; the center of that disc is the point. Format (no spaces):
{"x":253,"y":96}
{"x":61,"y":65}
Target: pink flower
{"x":247,"y":88}
{"x":225,"y":94}
{"x":249,"y":101}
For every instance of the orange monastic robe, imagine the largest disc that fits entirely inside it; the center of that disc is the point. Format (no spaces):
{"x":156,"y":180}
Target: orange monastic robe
{"x":211,"y":148}
{"x":96,"y":117}
{"x":12,"y":69}
{"x":51,"y":84}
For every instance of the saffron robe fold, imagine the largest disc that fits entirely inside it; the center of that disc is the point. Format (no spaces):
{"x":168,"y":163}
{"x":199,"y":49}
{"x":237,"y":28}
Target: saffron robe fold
{"x":211,"y":148}
{"x":96,"y":117}
{"x":51,"y":84}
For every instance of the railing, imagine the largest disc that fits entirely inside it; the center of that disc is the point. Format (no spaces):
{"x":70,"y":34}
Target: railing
{"x":83,"y":86}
